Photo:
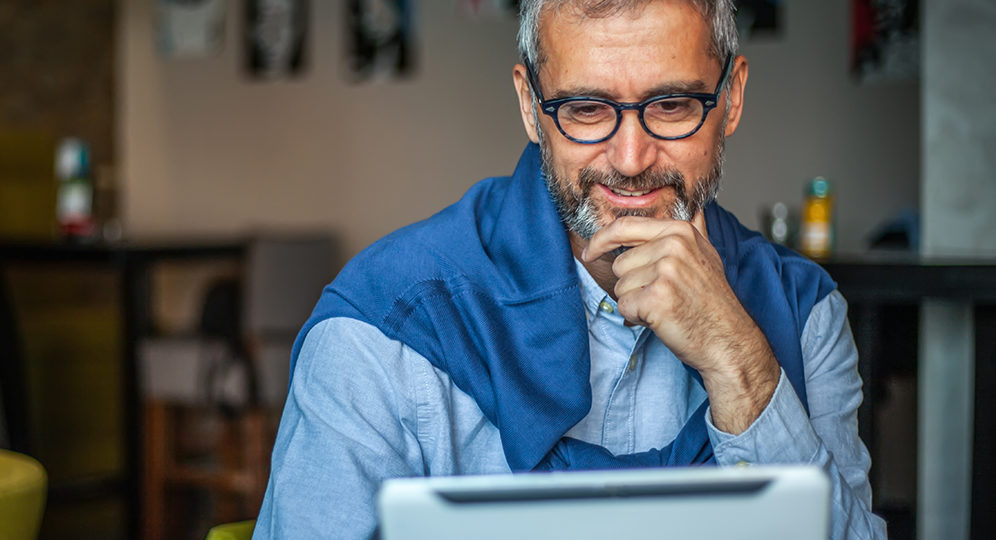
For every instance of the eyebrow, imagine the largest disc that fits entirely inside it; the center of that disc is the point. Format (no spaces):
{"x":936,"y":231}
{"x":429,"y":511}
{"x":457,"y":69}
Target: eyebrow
{"x":697,"y":86}
{"x":675,"y":87}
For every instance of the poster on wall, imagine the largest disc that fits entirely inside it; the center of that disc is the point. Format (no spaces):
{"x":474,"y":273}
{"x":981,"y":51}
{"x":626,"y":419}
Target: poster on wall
{"x":380,"y":37}
{"x":885,"y":40}
{"x":190,"y":28}
{"x":758,"y":18}
{"x":276,"y":34}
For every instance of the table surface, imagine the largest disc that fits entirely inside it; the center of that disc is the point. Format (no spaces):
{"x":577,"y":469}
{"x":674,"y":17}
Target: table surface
{"x":906,"y":277}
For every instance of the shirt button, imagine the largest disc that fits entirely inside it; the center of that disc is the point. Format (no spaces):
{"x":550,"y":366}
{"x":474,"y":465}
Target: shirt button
{"x":632,"y":362}
{"x":606,"y":307}
{"x":742,"y":464}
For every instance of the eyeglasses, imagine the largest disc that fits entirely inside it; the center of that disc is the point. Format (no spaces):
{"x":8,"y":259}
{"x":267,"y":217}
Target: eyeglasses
{"x":591,"y":120}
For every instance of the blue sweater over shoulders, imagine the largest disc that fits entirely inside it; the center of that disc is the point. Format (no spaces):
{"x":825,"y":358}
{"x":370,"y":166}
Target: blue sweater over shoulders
{"x":466,"y":287}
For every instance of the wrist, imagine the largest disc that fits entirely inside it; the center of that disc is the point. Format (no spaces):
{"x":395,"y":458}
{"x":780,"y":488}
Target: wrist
{"x":739,"y":389}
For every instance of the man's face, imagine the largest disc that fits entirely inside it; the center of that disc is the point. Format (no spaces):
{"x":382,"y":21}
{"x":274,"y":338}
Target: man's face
{"x":628,"y":57}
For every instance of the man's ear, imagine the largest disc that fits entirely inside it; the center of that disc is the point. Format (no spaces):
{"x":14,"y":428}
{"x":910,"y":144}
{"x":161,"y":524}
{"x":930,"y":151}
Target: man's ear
{"x":736,"y":89}
{"x":522,"y":90}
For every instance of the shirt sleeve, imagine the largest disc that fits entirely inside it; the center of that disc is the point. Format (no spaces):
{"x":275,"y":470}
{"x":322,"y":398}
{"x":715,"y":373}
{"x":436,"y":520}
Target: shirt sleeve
{"x":828,"y":436}
{"x":348,"y":424}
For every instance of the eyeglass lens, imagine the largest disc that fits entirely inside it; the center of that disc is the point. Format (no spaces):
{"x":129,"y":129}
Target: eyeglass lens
{"x":593,"y":120}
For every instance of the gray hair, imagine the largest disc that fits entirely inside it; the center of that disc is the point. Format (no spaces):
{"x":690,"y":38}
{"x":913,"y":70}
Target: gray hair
{"x":719,"y":12}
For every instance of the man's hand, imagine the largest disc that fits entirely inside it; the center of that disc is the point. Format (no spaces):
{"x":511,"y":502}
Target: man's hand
{"x":672,"y":281}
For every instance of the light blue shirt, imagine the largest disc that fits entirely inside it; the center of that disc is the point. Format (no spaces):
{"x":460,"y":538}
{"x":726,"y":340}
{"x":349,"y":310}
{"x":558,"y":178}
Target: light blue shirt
{"x":363,"y":408}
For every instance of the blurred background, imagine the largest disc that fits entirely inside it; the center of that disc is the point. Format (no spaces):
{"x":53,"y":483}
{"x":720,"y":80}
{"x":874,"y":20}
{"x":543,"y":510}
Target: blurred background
{"x":179,"y":178}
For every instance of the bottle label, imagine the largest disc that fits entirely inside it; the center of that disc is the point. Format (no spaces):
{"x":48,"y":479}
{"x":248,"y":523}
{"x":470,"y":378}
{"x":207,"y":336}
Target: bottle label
{"x":74,"y":208}
{"x":815,"y":240}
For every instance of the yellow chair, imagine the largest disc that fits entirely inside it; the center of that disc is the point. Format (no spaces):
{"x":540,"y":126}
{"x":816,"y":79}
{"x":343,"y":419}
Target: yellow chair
{"x":241,"y":530}
{"x":22,"y":496}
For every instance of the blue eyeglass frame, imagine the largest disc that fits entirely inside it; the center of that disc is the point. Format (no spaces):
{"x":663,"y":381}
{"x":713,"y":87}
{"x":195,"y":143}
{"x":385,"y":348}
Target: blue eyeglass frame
{"x":551,"y":107}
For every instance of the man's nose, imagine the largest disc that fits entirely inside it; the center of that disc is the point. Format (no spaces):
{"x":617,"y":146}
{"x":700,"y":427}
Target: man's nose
{"x":631,"y":150}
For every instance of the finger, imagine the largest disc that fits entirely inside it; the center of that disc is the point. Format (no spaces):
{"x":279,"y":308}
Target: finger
{"x":646,"y":302}
{"x":670,"y":244}
{"x":626,"y":231}
{"x":634,"y":280}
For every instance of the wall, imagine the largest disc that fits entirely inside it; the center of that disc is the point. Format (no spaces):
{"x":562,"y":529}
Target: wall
{"x":56,"y":80}
{"x":204,"y":151}
{"x":56,"y":70}
{"x":806,"y":116}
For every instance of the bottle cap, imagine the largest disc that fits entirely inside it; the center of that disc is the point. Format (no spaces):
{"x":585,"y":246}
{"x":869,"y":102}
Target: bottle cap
{"x":819,"y":187}
{"x":72,"y":159}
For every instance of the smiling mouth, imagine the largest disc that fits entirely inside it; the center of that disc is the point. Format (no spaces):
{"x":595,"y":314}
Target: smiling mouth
{"x":627,"y":193}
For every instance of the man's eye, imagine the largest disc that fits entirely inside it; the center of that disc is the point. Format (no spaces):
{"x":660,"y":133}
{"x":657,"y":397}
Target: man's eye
{"x":586,"y":112}
{"x":673,"y":108}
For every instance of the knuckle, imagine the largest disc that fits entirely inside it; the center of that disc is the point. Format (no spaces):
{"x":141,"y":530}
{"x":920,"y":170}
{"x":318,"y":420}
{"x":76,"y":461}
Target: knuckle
{"x":666,"y":267}
{"x":623,"y":303}
{"x":685,"y":242}
{"x":627,"y":306}
{"x":659,"y":286}
{"x":687,"y":229}
{"x":662,"y":294}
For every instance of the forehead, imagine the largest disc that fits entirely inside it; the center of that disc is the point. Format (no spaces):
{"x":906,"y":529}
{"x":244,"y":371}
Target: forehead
{"x":651,"y":43}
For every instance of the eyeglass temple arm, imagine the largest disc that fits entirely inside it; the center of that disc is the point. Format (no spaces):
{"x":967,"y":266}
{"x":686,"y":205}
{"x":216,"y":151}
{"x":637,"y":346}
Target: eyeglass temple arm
{"x":533,"y":82}
{"x":727,"y":70}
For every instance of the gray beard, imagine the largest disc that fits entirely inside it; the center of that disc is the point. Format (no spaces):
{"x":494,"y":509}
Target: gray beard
{"x":580,"y":214}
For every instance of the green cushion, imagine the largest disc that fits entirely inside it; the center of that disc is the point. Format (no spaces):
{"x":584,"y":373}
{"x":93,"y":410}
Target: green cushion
{"x":22,"y":496}
{"x":241,"y":530}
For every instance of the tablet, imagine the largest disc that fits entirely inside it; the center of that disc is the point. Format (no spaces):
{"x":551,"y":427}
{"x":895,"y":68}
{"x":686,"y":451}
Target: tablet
{"x":696,"y":502}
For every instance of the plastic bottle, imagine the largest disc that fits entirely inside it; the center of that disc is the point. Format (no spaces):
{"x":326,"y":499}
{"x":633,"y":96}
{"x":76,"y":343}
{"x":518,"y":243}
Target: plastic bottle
{"x":74,"y":205}
{"x":817,"y":235}
{"x":778,"y":228}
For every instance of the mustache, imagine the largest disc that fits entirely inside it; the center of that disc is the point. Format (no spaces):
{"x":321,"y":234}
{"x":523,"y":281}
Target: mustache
{"x":645,"y":181}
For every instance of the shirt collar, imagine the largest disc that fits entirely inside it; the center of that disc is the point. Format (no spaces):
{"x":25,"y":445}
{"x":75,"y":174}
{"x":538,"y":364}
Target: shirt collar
{"x":591,"y":294}
{"x":595,"y":301}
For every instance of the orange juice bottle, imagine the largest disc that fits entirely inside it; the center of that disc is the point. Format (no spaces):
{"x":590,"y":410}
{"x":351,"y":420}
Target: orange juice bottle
{"x":816,"y":237}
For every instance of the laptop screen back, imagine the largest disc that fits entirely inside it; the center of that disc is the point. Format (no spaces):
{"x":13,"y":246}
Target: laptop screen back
{"x":702,"y":502}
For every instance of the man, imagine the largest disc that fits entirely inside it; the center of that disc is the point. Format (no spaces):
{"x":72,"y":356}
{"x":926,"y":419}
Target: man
{"x":595,"y":310}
